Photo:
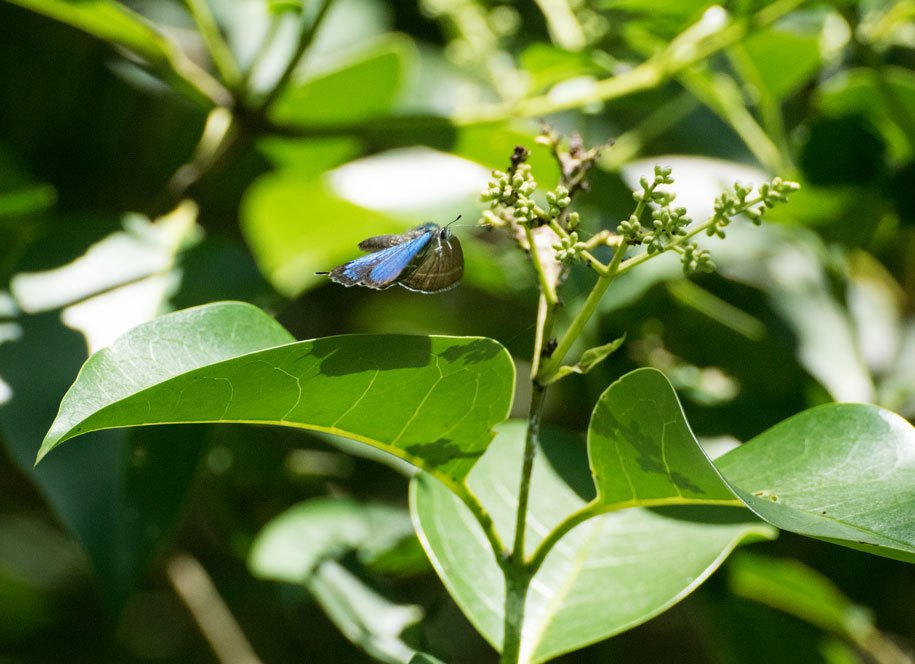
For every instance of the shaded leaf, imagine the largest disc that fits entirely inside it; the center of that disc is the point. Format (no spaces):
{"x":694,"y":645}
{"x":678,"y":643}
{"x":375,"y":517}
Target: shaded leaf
{"x":430,"y":400}
{"x":291,"y":546}
{"x":789,"y":585}
{"x":365,"y":617}
{"x":642,"y":450}
{"x":302,"y":546}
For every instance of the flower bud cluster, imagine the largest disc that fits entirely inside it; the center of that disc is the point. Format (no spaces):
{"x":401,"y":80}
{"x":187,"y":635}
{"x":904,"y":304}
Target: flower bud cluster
{"x":666,"y":223}
{"x":696,"y":259}
{"x":513,"y":191}
{"x":558,"y":200}
{"x":569,"y":250}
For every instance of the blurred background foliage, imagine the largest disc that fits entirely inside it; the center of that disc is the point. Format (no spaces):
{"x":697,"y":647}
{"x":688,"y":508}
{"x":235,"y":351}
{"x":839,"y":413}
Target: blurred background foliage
{"x":149,"y":161}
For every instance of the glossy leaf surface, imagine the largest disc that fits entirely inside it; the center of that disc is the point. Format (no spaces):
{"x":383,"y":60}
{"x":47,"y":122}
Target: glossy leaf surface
{"x":840,"y":472}
{"x":430,"y":400}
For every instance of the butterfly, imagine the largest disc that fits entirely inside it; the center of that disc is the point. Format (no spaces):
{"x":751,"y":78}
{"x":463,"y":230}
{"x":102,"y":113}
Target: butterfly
{"x":426,"y":259}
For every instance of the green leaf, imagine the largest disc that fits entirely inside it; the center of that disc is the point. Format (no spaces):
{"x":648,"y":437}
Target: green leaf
{"x":607,"y":575}
{"x":844,"y":473}
{"x":358,"y":90}
{"x":789,"y":585}
{"x":365,"y":617}
{"x":860,"y":91}
{"x":547,"y":65}
{"x":115,"y":23}
{"x":290,"y":547}
{"x":783,"y":60}
{"x":589,"y":359}
{"x":302,"y":546}
{"x":430,"y":400}
{"x":642,"y":450}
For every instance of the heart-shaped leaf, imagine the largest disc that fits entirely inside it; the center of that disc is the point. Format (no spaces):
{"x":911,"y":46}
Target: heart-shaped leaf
{"x":430,"y":400}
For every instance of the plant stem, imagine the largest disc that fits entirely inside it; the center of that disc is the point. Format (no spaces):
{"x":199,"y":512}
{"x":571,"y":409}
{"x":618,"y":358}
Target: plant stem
{"x":262,"y":50}
{"x":305,"y":39}
{"x":582,"y":514}
{"x":216,"y":45}
{"x":531,"y":441}
{"x":517,"y":576}
{"x":583,"y":316}
{"x":546,"y":288}
{"x":517,"y":581}
{"x":543,"y":309}
{"x":677,"y":56}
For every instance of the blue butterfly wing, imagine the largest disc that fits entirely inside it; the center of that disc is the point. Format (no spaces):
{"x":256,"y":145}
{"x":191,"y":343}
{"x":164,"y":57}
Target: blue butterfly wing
{"x":380,"y":269}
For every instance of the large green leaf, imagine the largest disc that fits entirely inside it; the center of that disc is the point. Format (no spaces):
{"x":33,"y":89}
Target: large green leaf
{"x":430,"y":400}
{"x":642,"y":450}
{"x":840,"y":472}
{"x":844,"y":473}
{"x":608,"y":574}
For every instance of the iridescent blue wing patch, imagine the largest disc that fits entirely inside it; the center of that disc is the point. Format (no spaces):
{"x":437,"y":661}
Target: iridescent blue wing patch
{"x":381,"y":269}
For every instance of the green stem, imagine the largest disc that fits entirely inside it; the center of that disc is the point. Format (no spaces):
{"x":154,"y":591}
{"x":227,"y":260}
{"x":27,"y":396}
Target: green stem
{"x":582,"y":514}
{"x":676,"y":57}
{"x":305,"y":39}
{"x":531,"y":441}
{"x":543,"y":308}
{"x":546,"y":288}
{"x":261,"y":53}
{"x":517,"y":577}
{"x":216,"y":45}
{"x":483,"y":518}
{"x":583,"y":316}
{"x":517,"y":582}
